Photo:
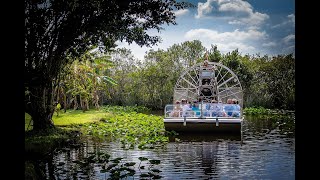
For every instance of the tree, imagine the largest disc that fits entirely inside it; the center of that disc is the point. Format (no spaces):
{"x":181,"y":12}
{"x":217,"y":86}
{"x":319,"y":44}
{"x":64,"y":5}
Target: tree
{"x":188,"y":52}
{"x":240,"y":66}
{"x":214,"y":54}
{"x":280,"y":81}
{"x":124,"y":65}
{"x":55,"y":29}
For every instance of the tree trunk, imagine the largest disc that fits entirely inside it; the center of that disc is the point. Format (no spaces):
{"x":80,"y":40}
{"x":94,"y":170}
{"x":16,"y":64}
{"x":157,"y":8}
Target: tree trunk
{"x":75,"y":103}
{"x":40,"y":107}
{"x":87,"y":104}
{"x":65,"y":102}
{"x":96,"y":104}
{"x":81,"y":104}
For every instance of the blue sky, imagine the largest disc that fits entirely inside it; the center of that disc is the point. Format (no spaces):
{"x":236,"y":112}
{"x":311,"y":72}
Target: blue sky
{"x":252,"y":26}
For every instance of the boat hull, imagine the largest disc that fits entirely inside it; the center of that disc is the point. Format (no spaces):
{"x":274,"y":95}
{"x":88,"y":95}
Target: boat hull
{"x":203,"y":125}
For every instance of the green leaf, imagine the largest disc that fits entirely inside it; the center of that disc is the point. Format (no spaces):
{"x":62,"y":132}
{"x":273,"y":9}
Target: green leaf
{"x":109,"y":80}
{"x":154,"y":161}
{"x":143,"y":158}
{"x":130,"y":164}
{"x":156,"y":170}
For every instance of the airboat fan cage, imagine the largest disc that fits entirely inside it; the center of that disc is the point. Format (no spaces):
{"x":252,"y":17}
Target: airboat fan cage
{"x":208,"y":81}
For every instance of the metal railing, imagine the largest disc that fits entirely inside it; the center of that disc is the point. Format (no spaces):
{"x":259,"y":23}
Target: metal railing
{"x":205,"y":111}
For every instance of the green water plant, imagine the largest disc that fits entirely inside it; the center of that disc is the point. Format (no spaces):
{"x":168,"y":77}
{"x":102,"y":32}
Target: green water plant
{"x":126,"y":109}
{"x":129,"y":128}
{"x":151,"y":172}
{"x":256,"y":111}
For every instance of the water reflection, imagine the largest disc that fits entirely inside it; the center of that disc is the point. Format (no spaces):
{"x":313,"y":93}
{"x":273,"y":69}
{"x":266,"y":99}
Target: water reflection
{"x":265,"y":150}
{"x":205,"y":137}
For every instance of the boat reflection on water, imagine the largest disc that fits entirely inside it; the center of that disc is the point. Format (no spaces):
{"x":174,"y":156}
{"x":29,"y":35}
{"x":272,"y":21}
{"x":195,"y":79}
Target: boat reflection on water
{"x":205,"y":137}
{"x":203,"y":155}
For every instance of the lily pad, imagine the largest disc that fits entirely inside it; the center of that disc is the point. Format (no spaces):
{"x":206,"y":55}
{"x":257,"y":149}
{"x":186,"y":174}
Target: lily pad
{"x":130,"y":164}
{"x":143,"y":158}
{"x":144,"y":175}
{"x":153,"y":161}
{"x":156,"y":170}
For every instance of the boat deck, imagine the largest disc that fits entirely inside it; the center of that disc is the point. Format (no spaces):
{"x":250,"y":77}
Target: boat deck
{"x":206,"y":124}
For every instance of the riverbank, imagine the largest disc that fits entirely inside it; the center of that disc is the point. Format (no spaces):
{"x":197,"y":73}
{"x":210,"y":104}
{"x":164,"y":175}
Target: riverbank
{"x":64,"y":133}
{"x":132,"y":126}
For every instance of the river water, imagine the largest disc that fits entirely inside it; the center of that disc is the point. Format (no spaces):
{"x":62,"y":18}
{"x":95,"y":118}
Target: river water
{"x":265,"y":150}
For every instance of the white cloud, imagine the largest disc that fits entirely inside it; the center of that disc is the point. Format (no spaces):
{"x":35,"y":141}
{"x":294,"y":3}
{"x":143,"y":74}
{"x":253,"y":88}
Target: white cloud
{"x":168,"y":39}
{"x":289,"y":39}
{"x":181,"y":12}
{"x":237,"y":11}
{"x":236,"y":35}
{"x":228,"y":47}
{"x":269,"y":44}
{"x":255,"y":19}
{"x":290,"y":21}
{"x":227,"y":41}
{"x":235,"y":6}
{"x":204,"y":9}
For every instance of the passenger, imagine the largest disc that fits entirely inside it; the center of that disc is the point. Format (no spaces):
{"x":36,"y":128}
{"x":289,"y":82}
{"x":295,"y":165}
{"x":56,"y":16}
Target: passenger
{"x":208,"y":109}
{"x":203,"y":106}
{"x":177,"y":110}
{"x":195,"y":108}
{"x":214,"y":108}
{"x":186,"y":108}
{"x":221,"y":112}
{"x":217,"y":109}
{"x":229,"y":108}
{"x":236,"y":112}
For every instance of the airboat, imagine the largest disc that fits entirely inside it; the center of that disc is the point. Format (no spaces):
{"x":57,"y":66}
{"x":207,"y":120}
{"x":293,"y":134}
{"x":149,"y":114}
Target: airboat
{"x":207,"y":84}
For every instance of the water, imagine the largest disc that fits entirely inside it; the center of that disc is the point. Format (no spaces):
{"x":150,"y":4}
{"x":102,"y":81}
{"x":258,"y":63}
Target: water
{"x":266,"y":150}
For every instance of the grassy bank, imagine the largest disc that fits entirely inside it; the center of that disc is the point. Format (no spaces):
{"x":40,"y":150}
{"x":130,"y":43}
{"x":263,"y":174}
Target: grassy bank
{"x":71,"y":117}
{"x":115,"y":123}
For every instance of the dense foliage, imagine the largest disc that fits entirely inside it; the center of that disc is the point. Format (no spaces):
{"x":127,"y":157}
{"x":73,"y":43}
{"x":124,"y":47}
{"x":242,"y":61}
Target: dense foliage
{"x":57,"y":32}
{"x":268,"y":82}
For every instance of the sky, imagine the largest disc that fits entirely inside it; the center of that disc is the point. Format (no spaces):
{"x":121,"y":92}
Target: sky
{"x":265,"y":27}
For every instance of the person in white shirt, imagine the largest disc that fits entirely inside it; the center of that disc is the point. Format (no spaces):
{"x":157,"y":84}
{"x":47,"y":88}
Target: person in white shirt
{"x":203,"y":106}
{"x":177,"y":110}
{"x":185,"y":108}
